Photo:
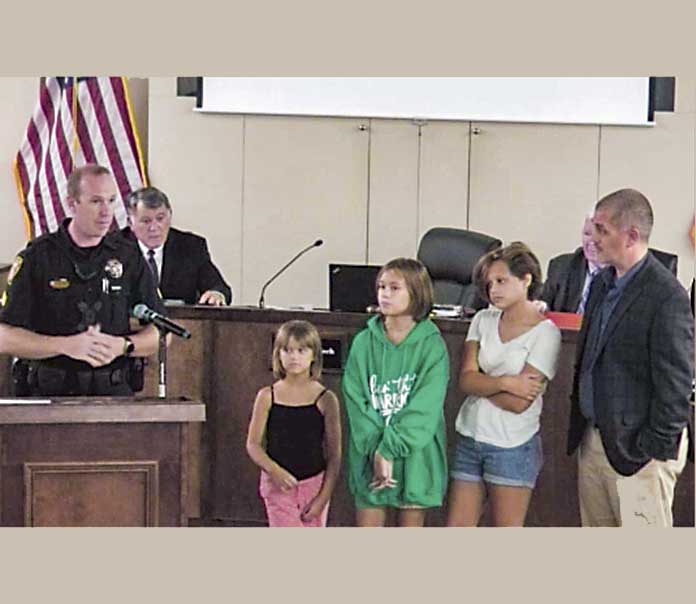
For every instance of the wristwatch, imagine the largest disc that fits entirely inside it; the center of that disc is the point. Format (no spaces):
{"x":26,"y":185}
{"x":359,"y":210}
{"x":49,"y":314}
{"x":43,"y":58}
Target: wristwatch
{"x":128,"y":346}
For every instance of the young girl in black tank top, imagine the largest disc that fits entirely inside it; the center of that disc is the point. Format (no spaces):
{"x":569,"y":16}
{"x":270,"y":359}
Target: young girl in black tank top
{"x":295,"y":433}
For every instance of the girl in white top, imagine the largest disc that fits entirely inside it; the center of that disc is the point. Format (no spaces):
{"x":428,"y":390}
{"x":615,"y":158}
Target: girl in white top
{"x":510,"y":353}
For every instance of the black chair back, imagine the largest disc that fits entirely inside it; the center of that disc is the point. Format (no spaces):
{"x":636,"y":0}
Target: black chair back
{"x":669,"y":260}
{"x":450,"y":256}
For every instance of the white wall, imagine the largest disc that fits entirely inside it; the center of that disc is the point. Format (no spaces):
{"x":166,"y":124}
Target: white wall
{"x":526,"y":181}
{"x":18,"y":97}
{"x":392,"y":182}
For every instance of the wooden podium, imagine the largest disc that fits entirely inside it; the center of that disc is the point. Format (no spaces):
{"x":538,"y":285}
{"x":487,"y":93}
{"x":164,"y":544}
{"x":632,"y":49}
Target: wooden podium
{"x":129,"y":461}
{"x":100,"y":462}
{"x":228,"y":359}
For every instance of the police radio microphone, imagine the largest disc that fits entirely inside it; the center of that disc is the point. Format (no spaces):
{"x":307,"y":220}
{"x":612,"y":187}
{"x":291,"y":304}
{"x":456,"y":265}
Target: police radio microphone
{"x":317,"y":243}
{"x":142,"y":312}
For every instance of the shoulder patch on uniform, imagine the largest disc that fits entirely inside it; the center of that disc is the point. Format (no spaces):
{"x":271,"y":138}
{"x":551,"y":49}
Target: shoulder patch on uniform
{"x":14,"y":271}
{"x":114,"y":268}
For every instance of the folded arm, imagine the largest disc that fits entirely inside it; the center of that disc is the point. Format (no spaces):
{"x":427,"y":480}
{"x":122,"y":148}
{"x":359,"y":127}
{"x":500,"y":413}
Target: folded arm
{"x":510,"y":392}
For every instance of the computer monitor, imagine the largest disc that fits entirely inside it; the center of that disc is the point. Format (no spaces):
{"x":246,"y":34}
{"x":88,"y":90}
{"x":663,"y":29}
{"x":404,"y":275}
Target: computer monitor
{"x":352,"y":287}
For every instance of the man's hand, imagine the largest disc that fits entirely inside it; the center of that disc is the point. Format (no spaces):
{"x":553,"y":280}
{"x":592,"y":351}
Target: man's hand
{"x":93,"y":346}
{"x":541,"y":306}
{"x":212,"y":298}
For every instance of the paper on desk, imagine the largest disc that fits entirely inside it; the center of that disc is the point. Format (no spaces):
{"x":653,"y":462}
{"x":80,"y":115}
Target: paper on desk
{"x":24,"y":401}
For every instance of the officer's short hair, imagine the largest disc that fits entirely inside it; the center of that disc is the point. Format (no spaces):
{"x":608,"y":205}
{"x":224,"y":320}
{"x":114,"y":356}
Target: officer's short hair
{"x":629,"y":208}
{"x":76,"y":176}
{"x":150,"y":197}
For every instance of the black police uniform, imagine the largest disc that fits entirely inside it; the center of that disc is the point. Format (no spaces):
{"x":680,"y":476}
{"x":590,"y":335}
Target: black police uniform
{"x":57,"y":288}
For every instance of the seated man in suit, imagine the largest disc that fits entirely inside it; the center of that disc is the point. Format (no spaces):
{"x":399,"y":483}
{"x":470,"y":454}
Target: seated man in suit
{"x":569,"y":276}
{"x":179,"y":260}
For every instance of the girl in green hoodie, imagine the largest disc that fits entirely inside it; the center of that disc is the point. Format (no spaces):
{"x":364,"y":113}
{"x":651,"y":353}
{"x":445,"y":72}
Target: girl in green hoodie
{"x":394,"y":387}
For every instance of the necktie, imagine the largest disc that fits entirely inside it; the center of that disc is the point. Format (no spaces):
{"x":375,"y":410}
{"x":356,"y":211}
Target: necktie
{"x":585,"y":293}
{"x":153,"y":265}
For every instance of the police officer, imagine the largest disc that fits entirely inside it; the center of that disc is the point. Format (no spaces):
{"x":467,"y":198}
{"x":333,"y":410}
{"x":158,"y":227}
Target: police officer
{"x":69,"y":296}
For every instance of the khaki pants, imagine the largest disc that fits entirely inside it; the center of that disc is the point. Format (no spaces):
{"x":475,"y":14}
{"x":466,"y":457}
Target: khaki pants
{"x":609,"y":499}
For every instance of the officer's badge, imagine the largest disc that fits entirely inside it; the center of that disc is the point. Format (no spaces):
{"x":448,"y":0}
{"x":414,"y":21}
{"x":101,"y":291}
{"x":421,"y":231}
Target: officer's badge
{"x":61,"y":283}
{"x":14,"y":271}
{"x":114,"y":268}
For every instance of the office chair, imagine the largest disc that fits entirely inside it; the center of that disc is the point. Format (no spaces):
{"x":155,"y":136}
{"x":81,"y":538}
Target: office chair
{"x":669,"y":260}
{"x":450,"y":256}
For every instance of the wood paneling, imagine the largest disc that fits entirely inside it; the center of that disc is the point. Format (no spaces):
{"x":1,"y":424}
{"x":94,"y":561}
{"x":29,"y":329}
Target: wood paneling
{"x":88,"y":462}
{"x":444,"y":176}
{"x":659,"y":161}
{"x":393,"y":217}
{"x":91,"y":494}
{"x":241,"y":365}
{"x":259,"y":187}
{"x":533,"y":183}
{"x":304,"y":179}
{"x":197,"y":160}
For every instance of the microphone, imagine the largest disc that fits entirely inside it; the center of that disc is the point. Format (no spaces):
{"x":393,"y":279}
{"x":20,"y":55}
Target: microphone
{"x":317,"y":243}
{"x":141,"y":311}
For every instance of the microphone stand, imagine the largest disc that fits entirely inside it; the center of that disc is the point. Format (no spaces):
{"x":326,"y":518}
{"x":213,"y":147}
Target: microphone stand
{"x":164,"y":326}
{"x":162,"y":360}
{"x":262,"y":299}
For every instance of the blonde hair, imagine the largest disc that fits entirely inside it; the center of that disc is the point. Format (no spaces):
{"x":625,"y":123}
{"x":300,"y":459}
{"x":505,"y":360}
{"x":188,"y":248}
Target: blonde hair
{"x":305,"y":334}
{"x":418,"y":284}
{"x":520,"y":261}
{"x":76,"y":176}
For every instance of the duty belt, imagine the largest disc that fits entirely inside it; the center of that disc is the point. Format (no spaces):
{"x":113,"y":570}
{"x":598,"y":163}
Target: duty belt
{"x":52,"y":380}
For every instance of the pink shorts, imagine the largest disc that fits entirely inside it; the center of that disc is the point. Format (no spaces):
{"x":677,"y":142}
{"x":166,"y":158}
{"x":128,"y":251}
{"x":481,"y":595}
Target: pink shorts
{"x":284,"y":508}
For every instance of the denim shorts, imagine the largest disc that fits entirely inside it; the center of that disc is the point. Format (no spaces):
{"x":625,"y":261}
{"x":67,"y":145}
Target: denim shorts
{"x":476,"y":461}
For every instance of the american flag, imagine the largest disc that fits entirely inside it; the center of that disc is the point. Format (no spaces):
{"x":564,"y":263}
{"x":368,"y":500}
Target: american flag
{"x":77,"y":120}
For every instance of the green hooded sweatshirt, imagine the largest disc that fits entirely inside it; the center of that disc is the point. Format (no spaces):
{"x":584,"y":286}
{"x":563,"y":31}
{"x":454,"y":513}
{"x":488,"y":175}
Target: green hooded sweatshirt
{"x":394,"y":397}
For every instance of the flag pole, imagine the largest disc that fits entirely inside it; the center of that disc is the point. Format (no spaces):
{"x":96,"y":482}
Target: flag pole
{"x":22,"y":202}
{"x":26,"y":217}
{"x":76,"y":140}
{"x":136,"y":135}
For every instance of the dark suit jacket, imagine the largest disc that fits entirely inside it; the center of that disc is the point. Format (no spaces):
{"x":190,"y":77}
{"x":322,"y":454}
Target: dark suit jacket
{"x":565,"y":278}
{"x":187,"y":270}
{"x":643,"y":372}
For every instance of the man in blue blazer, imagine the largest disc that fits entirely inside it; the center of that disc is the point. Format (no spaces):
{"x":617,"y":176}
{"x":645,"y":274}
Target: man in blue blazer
{"x":179,"y":260}
{"x":568,"y":276}
{"x":633,"y":375}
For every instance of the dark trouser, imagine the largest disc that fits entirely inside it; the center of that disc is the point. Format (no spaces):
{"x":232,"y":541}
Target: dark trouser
{"x":51,"y":381}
